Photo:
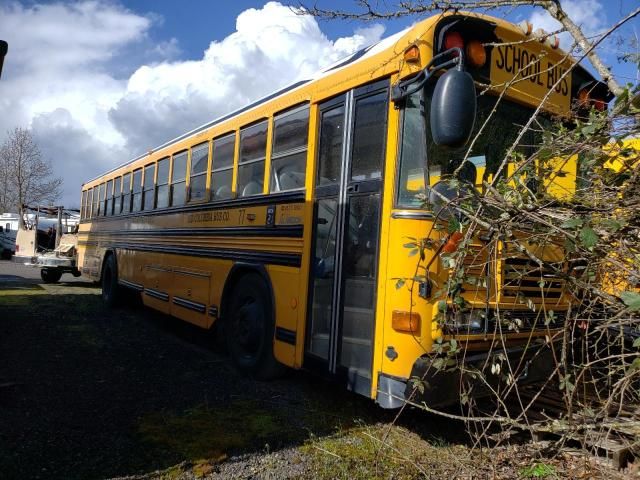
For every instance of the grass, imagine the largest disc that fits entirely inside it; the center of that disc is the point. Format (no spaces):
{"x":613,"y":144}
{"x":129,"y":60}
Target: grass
{"x":206,"y":434}
{"x":85,"y":334}
{"x":539,"y":470}
{"x":380,"y":451}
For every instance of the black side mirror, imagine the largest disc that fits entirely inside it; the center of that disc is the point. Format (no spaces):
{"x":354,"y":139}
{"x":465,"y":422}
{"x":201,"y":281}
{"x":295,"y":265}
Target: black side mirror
{"x":4,"y":48}
{"x":453,"y":109}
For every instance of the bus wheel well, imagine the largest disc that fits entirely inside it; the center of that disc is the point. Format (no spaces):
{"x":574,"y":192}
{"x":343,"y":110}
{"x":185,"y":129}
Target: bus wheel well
{"x":106,"y":256}
{"x":237,"y":272}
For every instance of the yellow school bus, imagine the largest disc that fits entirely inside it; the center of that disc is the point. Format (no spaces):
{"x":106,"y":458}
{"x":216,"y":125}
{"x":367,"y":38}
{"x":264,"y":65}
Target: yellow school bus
{"x":282,"y":224}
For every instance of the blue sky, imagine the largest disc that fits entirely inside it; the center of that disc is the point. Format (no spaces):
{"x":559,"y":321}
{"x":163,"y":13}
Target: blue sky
{"x":202,"y":30}
{"x":100,"y":81}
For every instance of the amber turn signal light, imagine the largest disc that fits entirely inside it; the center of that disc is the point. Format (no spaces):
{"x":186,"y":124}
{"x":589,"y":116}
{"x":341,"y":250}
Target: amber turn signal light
{"x":407,"y":322}
{"x":452,"y":242}
{"x":476,"y":54}
{"x":412,"y":54}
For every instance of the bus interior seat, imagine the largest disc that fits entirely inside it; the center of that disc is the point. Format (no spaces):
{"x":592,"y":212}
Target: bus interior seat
{"x":252,"y":188}
{"x":223,"y":192}
{"x":291,"y":180}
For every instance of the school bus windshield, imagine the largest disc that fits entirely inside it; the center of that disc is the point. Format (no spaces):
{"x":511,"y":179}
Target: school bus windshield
{"x":424,"y":163}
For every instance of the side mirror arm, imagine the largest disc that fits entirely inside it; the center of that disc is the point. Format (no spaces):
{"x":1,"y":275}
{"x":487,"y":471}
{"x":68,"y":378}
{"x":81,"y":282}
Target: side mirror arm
{"x":408,"y":87}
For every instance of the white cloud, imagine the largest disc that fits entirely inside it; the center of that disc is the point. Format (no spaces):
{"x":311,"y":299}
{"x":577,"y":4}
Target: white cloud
{"x":270,"y":48}
{"x":58,"y":77}
{"x":587,"y":14}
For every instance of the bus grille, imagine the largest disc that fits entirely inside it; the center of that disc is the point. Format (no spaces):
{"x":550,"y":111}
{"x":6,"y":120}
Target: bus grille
{"x":519,"y":275}
{"x":476,"y":267}
{"x":507,"y":321}
{"x":524,"y":277}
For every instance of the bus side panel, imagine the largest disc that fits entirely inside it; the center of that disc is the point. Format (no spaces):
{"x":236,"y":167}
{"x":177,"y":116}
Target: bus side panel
{"x":158,"y":280}
{"x":190,"y":292}
{"x":286,"y":283}
{"x":404,"y":298}
{"x":126,"y":265}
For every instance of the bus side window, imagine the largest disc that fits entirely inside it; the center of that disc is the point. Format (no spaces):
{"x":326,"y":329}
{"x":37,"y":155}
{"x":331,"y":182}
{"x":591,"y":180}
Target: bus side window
{"x":126,"y":193}
{"x":136,"y":191}
{"x":222,"y":167}
{"x":83,"y":205}
{"x":289,"y":151}
{"x":108,"y":202}
{"x":98,"y":201}
{"x":198,"y":174}
{"x":162,"y":184}
{"x":253,"y":149}
{"x":89,"y":202}
{"x":412,"y":173}
{"x":117,"y":196}
{"x":149,"y":187}
{"x":178,"y":180}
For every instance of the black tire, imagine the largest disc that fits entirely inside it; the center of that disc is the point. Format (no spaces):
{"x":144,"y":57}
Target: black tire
{"x":110,"y":289}
{"x":50,"y":275}
{"x":249,"y":327}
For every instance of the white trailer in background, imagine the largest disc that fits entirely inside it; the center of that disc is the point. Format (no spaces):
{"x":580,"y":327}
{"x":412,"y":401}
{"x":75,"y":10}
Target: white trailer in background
{"x":53,"y":262}
{"x":8,"y":229}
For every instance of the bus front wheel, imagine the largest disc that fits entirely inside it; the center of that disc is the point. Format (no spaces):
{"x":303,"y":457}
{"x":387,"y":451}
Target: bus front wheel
{"x":249,"y":327}
{"x":110,"y":289}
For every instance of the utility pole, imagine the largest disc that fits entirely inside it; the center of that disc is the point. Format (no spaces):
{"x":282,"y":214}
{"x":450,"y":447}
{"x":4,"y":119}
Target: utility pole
{"x":59,"y":226}
{"x":4,"y":48}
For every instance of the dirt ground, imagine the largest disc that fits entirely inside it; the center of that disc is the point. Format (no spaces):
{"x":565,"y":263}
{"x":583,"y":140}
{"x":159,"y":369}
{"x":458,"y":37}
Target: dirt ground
{"x":89,"y":393}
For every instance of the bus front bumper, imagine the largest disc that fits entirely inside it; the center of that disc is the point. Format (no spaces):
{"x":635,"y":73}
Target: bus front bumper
{"x":437,"y":388}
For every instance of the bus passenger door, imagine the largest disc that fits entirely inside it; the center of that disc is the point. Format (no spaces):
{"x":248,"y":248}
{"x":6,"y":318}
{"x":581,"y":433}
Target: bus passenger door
{"x":346,"y":232}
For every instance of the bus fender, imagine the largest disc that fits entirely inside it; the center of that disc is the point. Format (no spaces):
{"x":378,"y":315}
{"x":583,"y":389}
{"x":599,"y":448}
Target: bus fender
{"x":237,"y":271}
{"x":107,"y":252}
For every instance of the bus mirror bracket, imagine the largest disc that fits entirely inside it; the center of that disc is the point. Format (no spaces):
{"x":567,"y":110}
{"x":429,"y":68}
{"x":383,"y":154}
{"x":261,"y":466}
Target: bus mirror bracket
{"x":453,"y":103}
{"x":403,"y":89}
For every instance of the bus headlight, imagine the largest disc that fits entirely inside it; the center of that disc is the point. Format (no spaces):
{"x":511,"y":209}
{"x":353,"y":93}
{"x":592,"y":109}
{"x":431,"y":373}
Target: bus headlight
{"x":468,"y":321}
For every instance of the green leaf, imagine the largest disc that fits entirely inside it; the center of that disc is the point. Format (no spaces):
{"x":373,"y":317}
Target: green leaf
{"x":569,"y":246}
{"x":410,"y":245}
{"x":635,"y":365}
{"x":631,"y":300}
{"x":588,"y":129}
{"x":413,"y":252}
{"x":572,"y":222}
{"x":612,"y":225}
{"x":453,"y":225}
{"x":636,"y":343}
{"x":418,"y":384}
{"x":588,"y":237}
{"x":400,"y":283}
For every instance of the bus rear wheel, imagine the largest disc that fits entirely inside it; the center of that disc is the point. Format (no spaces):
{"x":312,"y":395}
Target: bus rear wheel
{"x":50,"y":275}
{"x":110,"y":288}
{"x":249,"y":327}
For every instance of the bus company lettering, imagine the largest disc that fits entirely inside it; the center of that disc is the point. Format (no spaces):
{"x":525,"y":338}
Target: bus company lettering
{"x":203,"y":217}
{"x":290,"y":214}
{"x":514,"y":59}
